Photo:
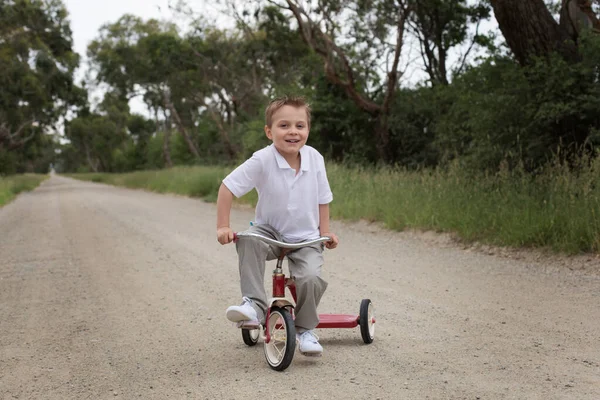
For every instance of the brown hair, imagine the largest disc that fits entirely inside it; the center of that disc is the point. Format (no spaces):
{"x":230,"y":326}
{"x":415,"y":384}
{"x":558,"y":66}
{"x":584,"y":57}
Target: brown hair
{"x":294,"y":101}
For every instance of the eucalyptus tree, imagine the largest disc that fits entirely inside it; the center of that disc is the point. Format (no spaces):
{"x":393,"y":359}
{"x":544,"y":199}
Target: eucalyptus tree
{"x":441,"y":26}
{"x":96,"y":136}
{"x":242,"y":68}
{"x":137,"y":57}
{"x":37,"y":63}
{"x":360,"y":44}
{"x":531,"y":30}
{"x":162,"y":68}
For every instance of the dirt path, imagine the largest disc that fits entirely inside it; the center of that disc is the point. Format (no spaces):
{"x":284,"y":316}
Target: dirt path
{"x":111,"y":293}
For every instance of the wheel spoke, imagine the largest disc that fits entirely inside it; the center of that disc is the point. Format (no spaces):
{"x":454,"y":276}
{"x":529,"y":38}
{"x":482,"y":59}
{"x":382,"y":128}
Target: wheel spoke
{"x":279,"y":338}
{"x":279,"y":351}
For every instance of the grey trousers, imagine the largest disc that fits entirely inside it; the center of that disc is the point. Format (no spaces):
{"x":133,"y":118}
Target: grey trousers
{"x":304,"y":265}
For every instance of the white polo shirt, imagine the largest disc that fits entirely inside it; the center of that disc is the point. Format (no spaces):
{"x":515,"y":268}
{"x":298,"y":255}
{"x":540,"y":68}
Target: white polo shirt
{"x":286,"y":201}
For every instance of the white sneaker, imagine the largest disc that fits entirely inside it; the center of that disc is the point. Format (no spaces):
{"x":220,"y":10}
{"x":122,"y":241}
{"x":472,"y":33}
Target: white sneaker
{"x":309,"y":344}
{"x":244,"y":313}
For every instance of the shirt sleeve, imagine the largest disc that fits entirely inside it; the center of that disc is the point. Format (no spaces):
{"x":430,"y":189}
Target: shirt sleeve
{"x":325,"y":194}
{"x":245,"y":177}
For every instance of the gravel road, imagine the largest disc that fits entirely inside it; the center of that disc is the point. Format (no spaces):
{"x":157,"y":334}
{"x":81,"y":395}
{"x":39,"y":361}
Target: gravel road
{"x":112,"y":293}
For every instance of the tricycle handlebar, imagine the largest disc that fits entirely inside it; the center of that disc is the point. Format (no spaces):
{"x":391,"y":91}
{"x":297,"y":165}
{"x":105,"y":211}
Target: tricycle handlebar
{"x":284,"y":245}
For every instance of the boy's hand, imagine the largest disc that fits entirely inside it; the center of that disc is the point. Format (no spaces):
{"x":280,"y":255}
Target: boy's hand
{"x":332,"y":244}
{"x":224,"y":235}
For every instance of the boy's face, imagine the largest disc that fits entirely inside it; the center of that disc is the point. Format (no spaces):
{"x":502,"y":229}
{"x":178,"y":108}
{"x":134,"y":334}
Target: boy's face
{"x":289,"y":130}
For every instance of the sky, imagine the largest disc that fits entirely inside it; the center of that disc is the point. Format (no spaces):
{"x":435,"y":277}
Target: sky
{"x":88,"y":16}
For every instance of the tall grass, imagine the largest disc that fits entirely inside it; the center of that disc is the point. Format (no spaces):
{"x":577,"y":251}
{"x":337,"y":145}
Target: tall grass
{"x":554,"y":208}
{"x":11,"y":186}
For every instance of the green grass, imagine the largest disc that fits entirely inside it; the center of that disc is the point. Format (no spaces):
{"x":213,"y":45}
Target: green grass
{"x":11,"y":186}
{"x":555,"y":208}
{"x":202,"y":182}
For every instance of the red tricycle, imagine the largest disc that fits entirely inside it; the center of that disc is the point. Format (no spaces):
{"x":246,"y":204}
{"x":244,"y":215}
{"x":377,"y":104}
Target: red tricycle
{"x":279,"y":332}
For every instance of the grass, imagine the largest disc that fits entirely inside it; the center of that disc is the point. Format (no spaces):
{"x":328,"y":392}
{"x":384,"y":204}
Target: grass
{"x":200,"y":182}
{"x":11,"y":186}
{"x":555,"y":208}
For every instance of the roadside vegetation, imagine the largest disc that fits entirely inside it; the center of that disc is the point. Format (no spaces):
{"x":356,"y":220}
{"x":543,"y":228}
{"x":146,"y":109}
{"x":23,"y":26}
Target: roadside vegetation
{"x":11,"y":186}
{"x":554,"y":208}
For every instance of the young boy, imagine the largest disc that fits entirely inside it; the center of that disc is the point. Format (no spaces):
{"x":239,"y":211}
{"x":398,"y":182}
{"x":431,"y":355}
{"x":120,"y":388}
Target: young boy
{"x":293,"y":206}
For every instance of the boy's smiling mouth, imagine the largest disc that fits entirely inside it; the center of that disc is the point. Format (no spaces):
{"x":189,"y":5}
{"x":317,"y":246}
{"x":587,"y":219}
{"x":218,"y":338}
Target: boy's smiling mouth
{"x":292,"y":140}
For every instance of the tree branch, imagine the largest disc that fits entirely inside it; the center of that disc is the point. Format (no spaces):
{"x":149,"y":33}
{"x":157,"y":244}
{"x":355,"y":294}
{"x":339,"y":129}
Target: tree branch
{"x":464,"y":59}
{"x":13,"y":140}
{"x":393,"y":75}
{"x":308,"y":29}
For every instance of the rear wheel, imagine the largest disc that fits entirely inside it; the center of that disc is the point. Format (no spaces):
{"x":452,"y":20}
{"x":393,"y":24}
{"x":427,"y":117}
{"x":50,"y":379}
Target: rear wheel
{"x":367,"y":321}
{"x":250,"y":336}
{"x":280,"y":349}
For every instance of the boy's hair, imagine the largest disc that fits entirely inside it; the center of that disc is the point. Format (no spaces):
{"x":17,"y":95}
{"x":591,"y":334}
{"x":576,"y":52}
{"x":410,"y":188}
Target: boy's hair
{"x":294,"y":101}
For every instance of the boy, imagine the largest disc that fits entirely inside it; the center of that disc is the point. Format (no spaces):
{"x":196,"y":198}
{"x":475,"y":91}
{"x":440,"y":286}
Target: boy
{"x":293,"y":206}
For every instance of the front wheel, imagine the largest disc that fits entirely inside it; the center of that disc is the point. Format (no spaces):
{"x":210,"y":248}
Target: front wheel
{"x":367,"y":321}
{"x":250,"y":336}
{"x":280,"y":349}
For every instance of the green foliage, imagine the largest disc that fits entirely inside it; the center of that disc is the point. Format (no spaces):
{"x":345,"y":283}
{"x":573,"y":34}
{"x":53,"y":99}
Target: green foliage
{"x":413,"y":126}
{"x":340,"y":130}
{"x":500,"y":111}
{"x":253,"y":138}
{"x":443,"y":25}
{"x":210,"y":86}
{"x":36,"y":76}
{"x":96,"y":137}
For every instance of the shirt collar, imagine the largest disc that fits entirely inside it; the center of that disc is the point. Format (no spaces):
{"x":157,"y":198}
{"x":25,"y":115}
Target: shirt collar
{"x":283,"y":164}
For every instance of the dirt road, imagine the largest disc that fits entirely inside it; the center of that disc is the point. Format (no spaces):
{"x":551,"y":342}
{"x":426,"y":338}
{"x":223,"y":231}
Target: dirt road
{"x":112,"y":293}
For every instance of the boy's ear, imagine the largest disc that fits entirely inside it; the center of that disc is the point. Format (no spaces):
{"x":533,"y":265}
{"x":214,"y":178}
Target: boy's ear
{"x":268,"y":132}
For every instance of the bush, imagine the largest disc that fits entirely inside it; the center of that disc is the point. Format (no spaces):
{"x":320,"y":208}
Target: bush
{"x":500,"y":111}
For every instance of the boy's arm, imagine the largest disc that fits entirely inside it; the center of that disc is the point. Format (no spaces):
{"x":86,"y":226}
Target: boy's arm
{"x":224,"y":202}
{"x":324,"y":226}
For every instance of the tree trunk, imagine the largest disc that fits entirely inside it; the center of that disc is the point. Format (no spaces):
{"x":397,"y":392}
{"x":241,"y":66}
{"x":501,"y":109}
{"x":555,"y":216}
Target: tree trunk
{"x":167,"y":143}
{"x":169,"y":105}
{"x":531,"y":31}
{"x":229,"y":147}
{"x":218,"y":119}
{"x":167,"y":148}
{"x":231,"y":152}
{"x":382,"y":133}
{"x":93,"y":165}
{"x":576,"y":15}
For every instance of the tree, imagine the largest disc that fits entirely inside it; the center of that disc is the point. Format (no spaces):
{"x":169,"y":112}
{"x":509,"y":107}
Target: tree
{"x":37,"y":63}
{"x":440,"y":26}
{"x":371,"y":25}
{"x":531,"y":31}
{"x":131,"y":54}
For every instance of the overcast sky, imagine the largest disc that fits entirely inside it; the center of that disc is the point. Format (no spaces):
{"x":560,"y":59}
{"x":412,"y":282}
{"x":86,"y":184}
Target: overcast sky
{"x":88,"y":16}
